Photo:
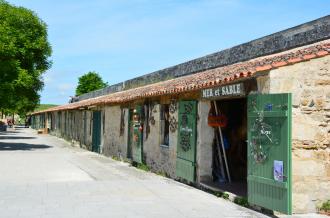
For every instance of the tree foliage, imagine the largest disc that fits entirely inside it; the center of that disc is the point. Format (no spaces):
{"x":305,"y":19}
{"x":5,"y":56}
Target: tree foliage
{"x":24,"y":53}
{"x":90,"y":81}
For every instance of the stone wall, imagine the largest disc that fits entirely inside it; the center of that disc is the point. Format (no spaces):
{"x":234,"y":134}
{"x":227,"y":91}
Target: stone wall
{"x":309,"y":83}
{"x":86,"y":141}
{"x":160,"y":158}
{"x":74,"y":129}
{"x":113,"y":143}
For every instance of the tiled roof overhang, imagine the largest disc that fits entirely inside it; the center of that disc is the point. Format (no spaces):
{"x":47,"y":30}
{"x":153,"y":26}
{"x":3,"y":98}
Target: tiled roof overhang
{"x":208,"y":78}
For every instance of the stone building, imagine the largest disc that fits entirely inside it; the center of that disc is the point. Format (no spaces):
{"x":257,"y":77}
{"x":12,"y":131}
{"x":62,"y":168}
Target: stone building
{"x":253,"y":120}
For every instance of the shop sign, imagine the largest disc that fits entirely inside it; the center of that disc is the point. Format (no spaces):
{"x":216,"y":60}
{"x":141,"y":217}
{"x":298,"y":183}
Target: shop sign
{"x":224,"y":91}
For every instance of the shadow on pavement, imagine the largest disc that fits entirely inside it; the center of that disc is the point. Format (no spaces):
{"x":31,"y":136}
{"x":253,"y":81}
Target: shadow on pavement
{"x":21,"y":127}
{"x":4,"y":146}
{"x":8,"y":132}
{"x":16,"y":137}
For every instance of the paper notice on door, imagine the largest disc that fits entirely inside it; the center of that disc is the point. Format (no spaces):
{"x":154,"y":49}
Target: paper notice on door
{"x":278,"y":170}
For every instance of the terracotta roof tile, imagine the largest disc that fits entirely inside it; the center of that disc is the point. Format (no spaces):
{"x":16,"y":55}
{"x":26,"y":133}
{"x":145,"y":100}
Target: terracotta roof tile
{"x":279,"y":64}
{"x":322,"y":53}
{"x":294,"y":60}
{"x":207,"y":78}
{"x":309,"y":56}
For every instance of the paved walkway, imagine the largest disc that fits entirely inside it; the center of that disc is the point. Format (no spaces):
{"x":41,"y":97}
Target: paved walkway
{"x":42,"y":176}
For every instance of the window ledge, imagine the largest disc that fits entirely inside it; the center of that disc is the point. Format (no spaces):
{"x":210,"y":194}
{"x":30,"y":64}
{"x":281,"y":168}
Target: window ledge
{"x":164,"y":146}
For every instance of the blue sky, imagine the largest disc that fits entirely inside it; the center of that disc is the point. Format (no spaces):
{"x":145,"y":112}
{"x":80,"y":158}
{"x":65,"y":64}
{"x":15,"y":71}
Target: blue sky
{"x":124,"y":39}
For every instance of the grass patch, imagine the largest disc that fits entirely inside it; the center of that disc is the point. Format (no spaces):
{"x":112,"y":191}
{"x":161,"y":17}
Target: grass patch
{"x":143,"y":167}
{"x":325,"y":206}
{"x":160,"y":173}
{"x":223,"y":195}
{"x":116,"y":158}
{"x":241,"y":201}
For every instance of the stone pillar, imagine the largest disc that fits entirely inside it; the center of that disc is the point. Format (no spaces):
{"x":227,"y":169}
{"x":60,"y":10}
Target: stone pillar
{"x":205,"y":136}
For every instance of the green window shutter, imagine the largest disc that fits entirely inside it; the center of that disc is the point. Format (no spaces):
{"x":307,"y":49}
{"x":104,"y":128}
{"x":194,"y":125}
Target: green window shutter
{"x":186,"y":147}
{"x":96,"y":134}
{"x":137,"y":142}
{"x":269,"y":148}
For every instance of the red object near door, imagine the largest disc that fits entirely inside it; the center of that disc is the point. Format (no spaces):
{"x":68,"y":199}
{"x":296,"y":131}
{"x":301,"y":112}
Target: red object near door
{"x":217,"y":121}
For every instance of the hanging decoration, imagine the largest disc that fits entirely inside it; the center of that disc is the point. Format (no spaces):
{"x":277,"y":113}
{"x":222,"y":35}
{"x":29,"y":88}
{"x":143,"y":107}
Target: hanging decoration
{"x":122,"y":122}
{"x":263,"y":135}
{"x":147,"y":118}
{"x":173,"y":124}
{"x":152,"y":111}
{"x":185,"y":140}
{"x":136,"y":137}
{"x":152,"y":120}
{"x":173,"y":106}
{"x":185,"y":130}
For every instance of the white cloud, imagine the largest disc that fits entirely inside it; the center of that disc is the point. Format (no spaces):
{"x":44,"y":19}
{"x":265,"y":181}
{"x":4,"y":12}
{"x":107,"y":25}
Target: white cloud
{"x":65,"y":89}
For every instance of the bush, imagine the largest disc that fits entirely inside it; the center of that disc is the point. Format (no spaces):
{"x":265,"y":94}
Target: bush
{"x":325,"y":206}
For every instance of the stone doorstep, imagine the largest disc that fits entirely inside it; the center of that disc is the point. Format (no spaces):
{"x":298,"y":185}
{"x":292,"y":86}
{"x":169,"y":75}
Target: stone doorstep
{"x":257,"y":208}
{"x":210,"y":188}
{"x":232,"y":196}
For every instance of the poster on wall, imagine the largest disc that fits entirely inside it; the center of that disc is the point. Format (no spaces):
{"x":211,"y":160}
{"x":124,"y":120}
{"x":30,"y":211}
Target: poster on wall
{"x":278,"y":170}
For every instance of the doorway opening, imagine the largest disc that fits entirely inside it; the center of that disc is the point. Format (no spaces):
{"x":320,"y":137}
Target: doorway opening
{"x":230,"y":144}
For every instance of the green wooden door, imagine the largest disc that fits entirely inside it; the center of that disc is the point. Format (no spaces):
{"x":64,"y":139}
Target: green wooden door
{"x":96,"y":136}
{"x":269,"y":151}
{"x":137,"y":142}
{"x":186,"y":147}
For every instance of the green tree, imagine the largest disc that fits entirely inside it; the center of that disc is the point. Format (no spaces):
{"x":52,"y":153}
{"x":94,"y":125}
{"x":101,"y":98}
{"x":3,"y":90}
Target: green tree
{"x":89,"y":82}
{"x":24,"y":53}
